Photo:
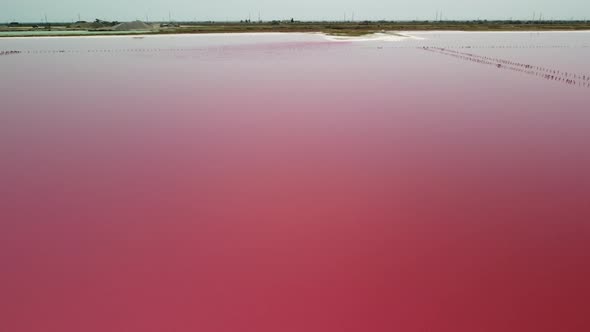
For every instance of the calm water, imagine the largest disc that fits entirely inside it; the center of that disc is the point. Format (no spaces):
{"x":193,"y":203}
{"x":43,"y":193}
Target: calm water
{"x":291,"y":183}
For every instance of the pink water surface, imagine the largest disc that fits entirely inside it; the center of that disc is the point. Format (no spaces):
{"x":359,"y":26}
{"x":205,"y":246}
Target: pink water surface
{"x":289,"y":183}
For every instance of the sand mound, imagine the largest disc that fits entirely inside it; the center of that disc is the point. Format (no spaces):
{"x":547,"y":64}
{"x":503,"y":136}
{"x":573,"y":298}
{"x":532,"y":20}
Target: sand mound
{"x":132,"y":26}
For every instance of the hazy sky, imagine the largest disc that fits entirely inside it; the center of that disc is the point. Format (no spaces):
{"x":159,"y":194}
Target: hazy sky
{"x":68,"y":10}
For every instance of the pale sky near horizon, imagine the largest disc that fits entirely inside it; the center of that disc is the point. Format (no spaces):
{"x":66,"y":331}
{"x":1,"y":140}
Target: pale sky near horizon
{"x":220,"y":10}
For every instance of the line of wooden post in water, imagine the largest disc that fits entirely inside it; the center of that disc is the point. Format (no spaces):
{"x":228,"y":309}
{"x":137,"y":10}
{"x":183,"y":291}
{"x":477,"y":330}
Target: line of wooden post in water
{"x":167,"y":50}
{"x":571,"y":79}
{"x":582,"y":80}
{"x":292,"y":46}
{"x":491,"y":46}
{"x":516,"y":46}
{"x":297,"y":46}
{"x":526,"y":66}
{"x":9,"y":52}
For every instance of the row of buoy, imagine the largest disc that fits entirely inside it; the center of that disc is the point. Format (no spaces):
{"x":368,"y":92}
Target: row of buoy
{"x":529,"y":70}
{"x":9,"y":52}
{"x":582,"y":77}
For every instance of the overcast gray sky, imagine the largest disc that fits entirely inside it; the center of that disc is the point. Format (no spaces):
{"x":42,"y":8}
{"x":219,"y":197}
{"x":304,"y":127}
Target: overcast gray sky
{"x":123,"y":10}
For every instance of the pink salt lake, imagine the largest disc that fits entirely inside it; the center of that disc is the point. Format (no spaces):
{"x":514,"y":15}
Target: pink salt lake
{"x":288,"y":182}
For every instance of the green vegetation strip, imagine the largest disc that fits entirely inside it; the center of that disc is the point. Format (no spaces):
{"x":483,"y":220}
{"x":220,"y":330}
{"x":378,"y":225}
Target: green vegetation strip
{"x":331,"y":28}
